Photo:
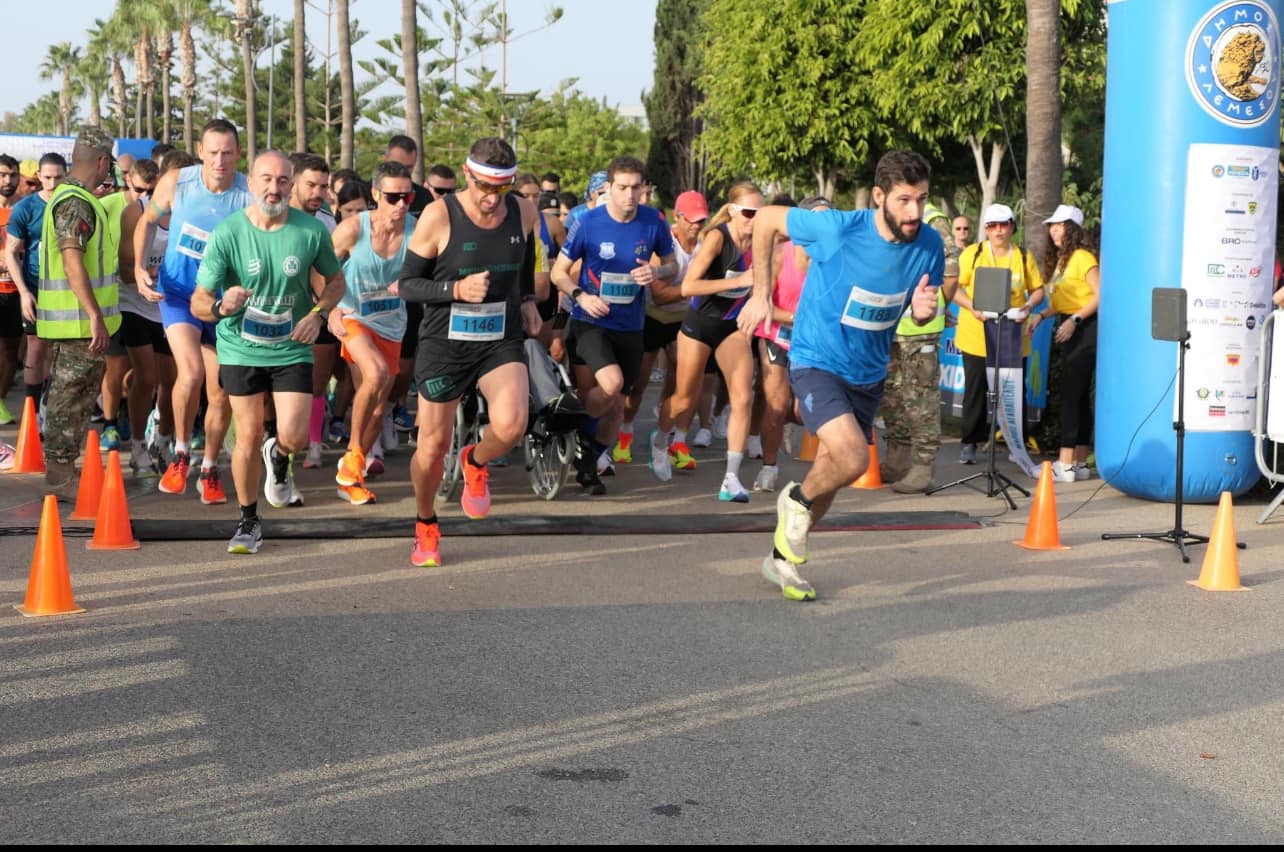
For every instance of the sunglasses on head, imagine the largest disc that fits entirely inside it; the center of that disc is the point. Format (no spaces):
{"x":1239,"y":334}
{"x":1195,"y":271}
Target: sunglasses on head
{"x":395,"y":198}
{"x":747,"y":212}
{"x":441,"y":190}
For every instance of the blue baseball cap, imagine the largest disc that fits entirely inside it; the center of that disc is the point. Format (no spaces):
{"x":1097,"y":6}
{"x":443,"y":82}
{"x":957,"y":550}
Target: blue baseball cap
{"x":597,"y":183}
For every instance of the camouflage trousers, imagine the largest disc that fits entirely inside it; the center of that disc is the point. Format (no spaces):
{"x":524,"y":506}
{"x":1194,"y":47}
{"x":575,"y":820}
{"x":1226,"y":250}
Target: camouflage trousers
{"x":75,"y":380}
{"x":911,"y":406}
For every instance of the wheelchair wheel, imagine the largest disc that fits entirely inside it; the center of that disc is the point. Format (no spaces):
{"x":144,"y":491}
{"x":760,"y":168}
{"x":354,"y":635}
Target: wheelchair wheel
{"x":547,"y":463}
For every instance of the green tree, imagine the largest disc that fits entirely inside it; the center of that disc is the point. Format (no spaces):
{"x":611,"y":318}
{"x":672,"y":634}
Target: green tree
{"x":784,"y":91}
{"x":674,"y":97}
{"x":61,"y":62}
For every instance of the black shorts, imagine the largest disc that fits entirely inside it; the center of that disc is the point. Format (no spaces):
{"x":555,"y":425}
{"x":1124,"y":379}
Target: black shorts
{"x":777,"y":355}
{"x":11,"y":322}
{"x":248,"y":381}
{"x":136,"y":331}
{"x":446,"y":369}
{"x":325,"y":336}
{"x":548,"y":308}
{"x":656,"y":335}
{"x":599,"y":347}
{"x":710,"y":331}
{"x":414,"y":318}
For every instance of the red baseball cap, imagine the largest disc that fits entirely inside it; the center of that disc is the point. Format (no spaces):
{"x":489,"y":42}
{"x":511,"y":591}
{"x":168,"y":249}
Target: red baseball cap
{"x":691,"y":206}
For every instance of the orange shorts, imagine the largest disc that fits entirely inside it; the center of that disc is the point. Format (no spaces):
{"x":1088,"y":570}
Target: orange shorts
{"x":389,"y":349}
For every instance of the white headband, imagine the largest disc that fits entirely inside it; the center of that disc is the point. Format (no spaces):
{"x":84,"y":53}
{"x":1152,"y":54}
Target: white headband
{"x":484,"y":170}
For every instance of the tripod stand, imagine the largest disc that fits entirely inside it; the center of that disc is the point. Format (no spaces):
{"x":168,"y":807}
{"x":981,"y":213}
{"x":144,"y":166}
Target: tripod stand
{"x":1176,"y":535}
{"x":996,"y":482}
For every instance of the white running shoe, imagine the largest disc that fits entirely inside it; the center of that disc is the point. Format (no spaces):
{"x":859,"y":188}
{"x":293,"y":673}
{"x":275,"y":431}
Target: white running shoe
{"x":314,"y":455}
{"x":1082,"y":471}
{"x":766,"y":479}
{"x":784,"y":574}
{"x":732,"y":491}
{"x":1062,"y":473}
{"x":389,"y":435}
{"x":659,"y":464}
{"x":278,"y":485}
{"x":703,"y":438}
{"x":753,"y":447}
{"x":8,"y":456}
{"x":720,"y":426}
{"x":793,"y":523}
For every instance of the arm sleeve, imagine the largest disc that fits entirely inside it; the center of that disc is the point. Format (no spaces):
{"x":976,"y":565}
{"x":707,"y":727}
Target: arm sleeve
{"x":417,"y":282}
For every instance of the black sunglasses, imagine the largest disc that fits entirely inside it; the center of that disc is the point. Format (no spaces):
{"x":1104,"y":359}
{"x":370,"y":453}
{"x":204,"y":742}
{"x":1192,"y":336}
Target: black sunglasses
{"x":395,"y":198}
{"x":141,"y":190}
{"x":442,"y":190}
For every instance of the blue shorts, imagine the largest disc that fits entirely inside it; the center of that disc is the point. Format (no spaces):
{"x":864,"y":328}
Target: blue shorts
{"x":822,"y":396}
{"x":176,"y":309}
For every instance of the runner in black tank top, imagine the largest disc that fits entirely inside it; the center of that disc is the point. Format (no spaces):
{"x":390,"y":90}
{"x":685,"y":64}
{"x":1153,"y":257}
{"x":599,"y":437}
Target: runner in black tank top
{"x":471,"y":262}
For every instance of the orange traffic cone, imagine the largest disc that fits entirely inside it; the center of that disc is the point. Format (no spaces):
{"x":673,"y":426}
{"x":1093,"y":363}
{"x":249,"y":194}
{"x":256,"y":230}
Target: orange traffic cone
{"x":810,"y":444}
{"x":871,"y":478}
{"x":30,"y":455}
{"x":91,"y":481}
{"x":1041,"y":531}
{"x":112,"y":529}
{"x":49,"y":589}
{"x":1220,"y":572}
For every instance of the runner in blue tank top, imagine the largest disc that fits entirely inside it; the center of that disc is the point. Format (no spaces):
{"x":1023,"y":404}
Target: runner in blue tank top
{"x":371,"y":314}
{"x":614,"y":243}
{"x":196,"y":199}
{"x":867,"y":266}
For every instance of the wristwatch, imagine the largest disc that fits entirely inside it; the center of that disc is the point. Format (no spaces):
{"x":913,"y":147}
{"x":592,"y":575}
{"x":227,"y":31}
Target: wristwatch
{"x":1076,"y":318}
{"x":575,"y":295}
{"x":216,"y":309}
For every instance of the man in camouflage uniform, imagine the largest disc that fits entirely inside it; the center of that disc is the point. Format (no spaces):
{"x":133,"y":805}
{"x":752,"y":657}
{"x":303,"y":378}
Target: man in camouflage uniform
{"x":911,"y":406}
{"x":77,"y":306}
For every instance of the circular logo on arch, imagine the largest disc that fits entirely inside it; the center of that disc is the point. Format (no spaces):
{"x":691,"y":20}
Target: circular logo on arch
{"x":1233,"y":63}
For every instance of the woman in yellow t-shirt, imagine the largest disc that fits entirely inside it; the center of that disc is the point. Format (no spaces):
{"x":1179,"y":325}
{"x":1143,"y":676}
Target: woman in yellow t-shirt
{"x":998,"y":250}
{"x":1074,"y":281}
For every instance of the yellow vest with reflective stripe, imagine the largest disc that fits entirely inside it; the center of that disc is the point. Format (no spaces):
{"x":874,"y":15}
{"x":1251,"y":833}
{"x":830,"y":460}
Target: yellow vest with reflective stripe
{"x":59,"y":315}
{"x":909,"y":328}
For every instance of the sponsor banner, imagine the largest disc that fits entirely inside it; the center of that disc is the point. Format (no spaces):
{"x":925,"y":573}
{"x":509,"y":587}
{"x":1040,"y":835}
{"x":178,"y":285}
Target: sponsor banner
{"x":1228,"y":261}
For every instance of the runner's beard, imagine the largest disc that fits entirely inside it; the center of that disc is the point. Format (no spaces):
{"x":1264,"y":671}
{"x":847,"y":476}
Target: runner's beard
{"x":898,"y":234}
{"x":8,"y":190}
{"x":273,"y":210}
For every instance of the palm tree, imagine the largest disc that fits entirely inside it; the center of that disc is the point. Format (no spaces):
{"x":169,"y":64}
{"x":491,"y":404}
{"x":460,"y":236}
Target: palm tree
{"x":300,"y":79}
{"x":114,"y":41}
{"x":1042,"y":118}
{"x":165,"y":55}
{"x":244,"y":18}
{"x":61,"y":61}
{"x":95,"y":70}
{"x":410,"y":59}
{"x":347,"y":90}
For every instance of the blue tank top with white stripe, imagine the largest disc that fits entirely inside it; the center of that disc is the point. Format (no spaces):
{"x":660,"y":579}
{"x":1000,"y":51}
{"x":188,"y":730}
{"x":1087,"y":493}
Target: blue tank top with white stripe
{"x":195,"y":212}
{"x":369,"y":275}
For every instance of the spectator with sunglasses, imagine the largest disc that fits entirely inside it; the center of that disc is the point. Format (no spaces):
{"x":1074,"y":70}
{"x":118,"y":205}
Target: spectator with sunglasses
{"x":471,"y":263}
{"x":709,"y":328}
{"x":404,"y":150}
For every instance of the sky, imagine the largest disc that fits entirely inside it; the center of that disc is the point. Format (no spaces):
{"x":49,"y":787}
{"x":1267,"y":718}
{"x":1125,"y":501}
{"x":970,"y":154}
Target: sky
{"x":538,"y":60}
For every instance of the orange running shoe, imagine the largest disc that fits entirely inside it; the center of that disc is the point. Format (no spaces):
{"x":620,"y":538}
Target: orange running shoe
{"x":680,"y":456}
{"x":357,"y":495}
{"x":175,"y":479}
{"x":352,"y":468}
{"x":427,"y":543}
{"x":476,"y":496}
{"x":209,"y":487}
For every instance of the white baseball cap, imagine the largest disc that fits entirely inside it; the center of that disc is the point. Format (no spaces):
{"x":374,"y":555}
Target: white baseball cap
{"x":997,"y":213}
{"x":1065,"y":213}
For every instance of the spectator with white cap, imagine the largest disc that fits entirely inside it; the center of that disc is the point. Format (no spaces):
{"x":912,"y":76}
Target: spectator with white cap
{"x":1074,"y":285}
{"x":996,"y":250}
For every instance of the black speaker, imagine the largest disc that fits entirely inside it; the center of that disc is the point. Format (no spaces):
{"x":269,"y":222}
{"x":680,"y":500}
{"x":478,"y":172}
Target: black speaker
{"x":1168,"y":313}
{"x":992,"y":290}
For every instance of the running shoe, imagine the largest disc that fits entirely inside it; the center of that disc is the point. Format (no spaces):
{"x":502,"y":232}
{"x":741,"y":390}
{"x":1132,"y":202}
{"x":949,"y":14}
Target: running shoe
{"x":680,"y":457}
{"x":623,"y":451}
{"x":476,"y":497}
{"x":41,"y":411}
{"x":357,"y":495}
{"x":753,"y":447}
{"x":97,"y":416}
{"x":389,"y":433}
{"x":175,"y":479}
{"x":766,"y":480}
{"x":703,"y":438}
{"x":785,"y":575}
{"x":198,"y":439}
{"x":338,"y":433}
{"x":209,"y":487}
{"x":142,"y":464}
{"x":1063,"y":472}
{"x":427,"y":552}
{"x":967,"y":454}
{"x":793,"y":523}
{"x":499,"y":461}
{"x":1082,"y":472}
{"x":659,"y":463}
{"x":604,"y":466}
{"x":402,"y":420}
{"x":720,"y":426}
{"x":732,"y":491}
{"x":8,"y":456}
{"x":374,"y":465}
{"x":313,"y":458}
{"x":591,"y":483}
{"x":278,"y":485}
{"x":352,"y":468}
{"x":110,"y":439}
{"x":248,"y":537}
{"x":6,"y":416}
